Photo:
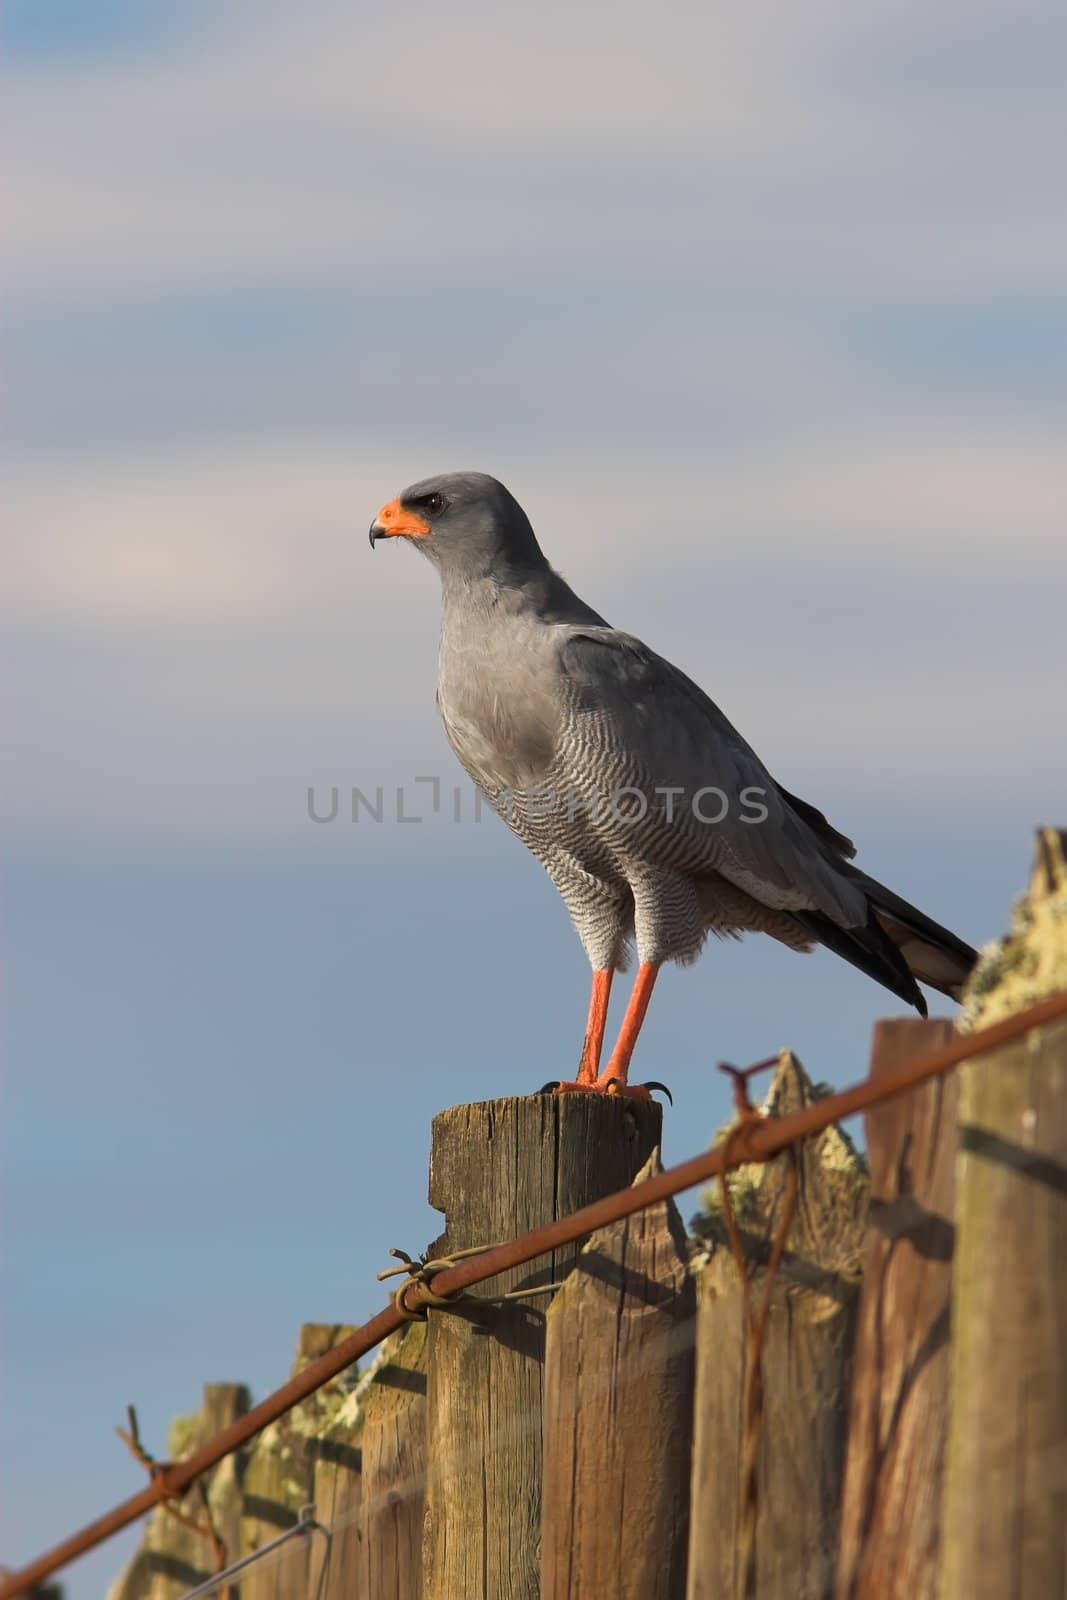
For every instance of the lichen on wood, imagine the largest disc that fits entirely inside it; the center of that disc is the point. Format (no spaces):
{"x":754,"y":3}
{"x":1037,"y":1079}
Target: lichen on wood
{"x":1030,"y":961}
{"x":831,"y":1158}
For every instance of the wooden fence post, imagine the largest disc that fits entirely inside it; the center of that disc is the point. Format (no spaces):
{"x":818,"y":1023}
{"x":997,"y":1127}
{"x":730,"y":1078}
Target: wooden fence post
{"x":394,"y":1472}
{"x":806,"y":1366}
{"x":1006,"y":1492}
{"x":498,"y":1169}
{"x":336,"y":1492}
{"x":618,"y":1414}
{"x":891,"y":1507}
{"x":279,"y":1477}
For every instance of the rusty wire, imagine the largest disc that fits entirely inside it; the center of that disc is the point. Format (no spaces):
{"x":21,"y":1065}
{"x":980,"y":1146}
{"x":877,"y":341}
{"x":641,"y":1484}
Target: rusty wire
{"x":757,"y":1142}
{"x":755,"y":1320}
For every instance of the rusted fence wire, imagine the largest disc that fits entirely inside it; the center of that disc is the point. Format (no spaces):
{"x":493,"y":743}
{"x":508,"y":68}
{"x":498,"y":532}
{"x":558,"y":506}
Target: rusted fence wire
{"x":755,"y":1139}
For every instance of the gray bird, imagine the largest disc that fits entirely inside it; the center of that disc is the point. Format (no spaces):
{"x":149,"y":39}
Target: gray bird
{"x":655,"y":820}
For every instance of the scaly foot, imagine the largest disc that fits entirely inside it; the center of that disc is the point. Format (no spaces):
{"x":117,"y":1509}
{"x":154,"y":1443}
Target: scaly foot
{"x":607,"y":1083}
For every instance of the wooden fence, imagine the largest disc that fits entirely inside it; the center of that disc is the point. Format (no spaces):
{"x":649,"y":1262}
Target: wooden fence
{"x":904,"y":1438}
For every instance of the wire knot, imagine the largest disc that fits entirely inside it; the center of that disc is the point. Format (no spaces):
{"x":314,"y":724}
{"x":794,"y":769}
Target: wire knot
{"x":419,"y":1273}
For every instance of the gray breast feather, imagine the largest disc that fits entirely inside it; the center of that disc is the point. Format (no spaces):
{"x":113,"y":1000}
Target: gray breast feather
{"x":503,"y":724}
{"x":499,"y":750}
{"x":635,"y":712}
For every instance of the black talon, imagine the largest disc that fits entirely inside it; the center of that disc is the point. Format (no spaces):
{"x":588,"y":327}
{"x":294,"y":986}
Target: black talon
{"x":548,"y":1088}
{"x":662,"y":1087}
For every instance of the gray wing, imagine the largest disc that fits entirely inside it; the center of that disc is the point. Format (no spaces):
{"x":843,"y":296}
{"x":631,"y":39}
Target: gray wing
{"x":647,"y":719}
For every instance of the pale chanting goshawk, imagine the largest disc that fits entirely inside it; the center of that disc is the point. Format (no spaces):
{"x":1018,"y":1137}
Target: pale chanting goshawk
{"x":655,"y":820}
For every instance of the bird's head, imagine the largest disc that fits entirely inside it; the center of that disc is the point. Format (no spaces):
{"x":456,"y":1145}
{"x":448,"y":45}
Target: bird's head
{"x":466,"y":522}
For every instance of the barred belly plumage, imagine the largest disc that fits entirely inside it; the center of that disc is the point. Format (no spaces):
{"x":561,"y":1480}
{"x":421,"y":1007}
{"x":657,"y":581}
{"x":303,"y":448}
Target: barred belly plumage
{"x":632,"y":864}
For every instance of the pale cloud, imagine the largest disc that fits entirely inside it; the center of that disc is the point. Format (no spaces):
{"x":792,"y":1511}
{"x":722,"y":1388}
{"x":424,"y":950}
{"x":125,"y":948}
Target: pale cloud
{"x":754,"y":141}
{"x":178,"y":539}
{"x":246,"y":531}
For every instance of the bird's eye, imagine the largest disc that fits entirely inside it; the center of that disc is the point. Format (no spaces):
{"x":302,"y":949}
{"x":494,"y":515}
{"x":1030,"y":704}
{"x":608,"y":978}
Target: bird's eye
{"x":433,"y":504}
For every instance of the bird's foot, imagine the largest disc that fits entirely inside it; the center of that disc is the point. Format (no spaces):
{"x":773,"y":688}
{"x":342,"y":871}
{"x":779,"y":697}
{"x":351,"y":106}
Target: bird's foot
{"x":603,"y":1085}
{"x":607,"y":1083}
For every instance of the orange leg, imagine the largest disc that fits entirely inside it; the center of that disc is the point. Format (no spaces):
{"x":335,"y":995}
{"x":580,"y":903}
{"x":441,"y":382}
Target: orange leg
{"x":641,"y":994}
{"x":589,"y":1065}
{"x":613,"y":1079}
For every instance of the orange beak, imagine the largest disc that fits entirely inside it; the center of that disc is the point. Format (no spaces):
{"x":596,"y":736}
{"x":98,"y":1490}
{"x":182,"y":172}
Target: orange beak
{"x":394,"y":521}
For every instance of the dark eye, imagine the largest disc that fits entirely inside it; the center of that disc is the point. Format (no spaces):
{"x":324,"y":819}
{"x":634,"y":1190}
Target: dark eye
{"x":434,"y":503}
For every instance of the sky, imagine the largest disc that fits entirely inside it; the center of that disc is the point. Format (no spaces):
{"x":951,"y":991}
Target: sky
{"x":758,"y":311}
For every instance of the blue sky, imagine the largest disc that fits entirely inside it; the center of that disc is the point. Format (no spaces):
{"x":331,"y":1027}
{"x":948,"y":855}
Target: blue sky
{"x":761,"y":316}
{"x":65,"y":33}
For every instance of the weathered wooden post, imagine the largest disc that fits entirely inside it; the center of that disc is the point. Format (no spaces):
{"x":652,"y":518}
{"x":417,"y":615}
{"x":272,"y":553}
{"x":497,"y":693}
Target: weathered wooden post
{"x":498,"y":1169}
{"x":1005,"y":1532}
{"x":336,"y":1492}
{"x":618,"y":1414}
{"x":394,"y":1472}
{"x":891,"y":1507}
{"x":279,"y":1477}
{"x":806,"y":1366}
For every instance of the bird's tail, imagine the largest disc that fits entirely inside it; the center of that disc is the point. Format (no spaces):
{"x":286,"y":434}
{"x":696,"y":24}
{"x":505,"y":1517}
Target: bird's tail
{"x":898,"y":945}
{"x":933,"y":954}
